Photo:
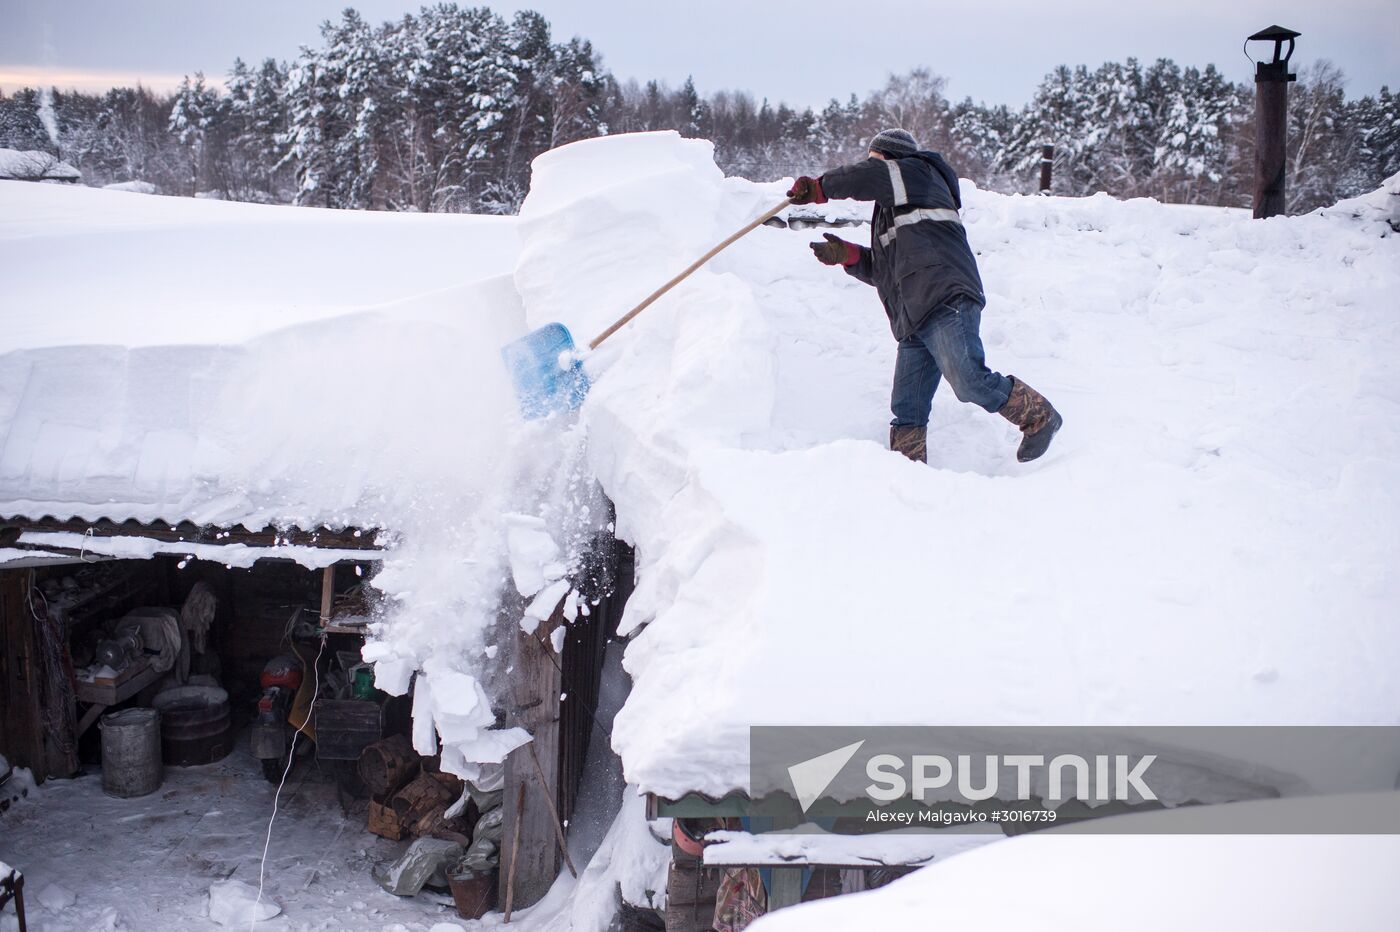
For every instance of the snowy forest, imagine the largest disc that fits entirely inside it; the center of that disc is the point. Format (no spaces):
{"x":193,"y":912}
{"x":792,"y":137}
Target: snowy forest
{"x":443,"y":111}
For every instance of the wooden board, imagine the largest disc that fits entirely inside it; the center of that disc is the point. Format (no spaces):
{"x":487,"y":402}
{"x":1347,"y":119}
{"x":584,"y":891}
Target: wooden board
{"x":534,"y":706}
{"x":20,"y":713}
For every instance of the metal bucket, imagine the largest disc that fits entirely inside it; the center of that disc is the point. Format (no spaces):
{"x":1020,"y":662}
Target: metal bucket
{"x":473,"y":892}
{"x":130,"y":752}
{"x":194,"y":725}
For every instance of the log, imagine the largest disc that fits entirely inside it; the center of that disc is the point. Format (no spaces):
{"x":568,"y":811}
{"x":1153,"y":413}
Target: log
{"x":450,"y":782}
{"x":388,"y":764}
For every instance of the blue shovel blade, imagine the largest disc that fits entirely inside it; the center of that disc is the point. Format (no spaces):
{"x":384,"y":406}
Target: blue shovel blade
{"x":546,"y":370}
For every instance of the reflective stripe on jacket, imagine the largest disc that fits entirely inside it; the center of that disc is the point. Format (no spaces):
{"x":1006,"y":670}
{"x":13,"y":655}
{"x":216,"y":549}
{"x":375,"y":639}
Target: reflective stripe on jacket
{"x":918,"y":258}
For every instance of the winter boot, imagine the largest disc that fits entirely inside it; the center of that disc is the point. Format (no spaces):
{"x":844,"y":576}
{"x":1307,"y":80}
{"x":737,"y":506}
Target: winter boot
{"x":910,"y":442}
{"x":1029,"y":410}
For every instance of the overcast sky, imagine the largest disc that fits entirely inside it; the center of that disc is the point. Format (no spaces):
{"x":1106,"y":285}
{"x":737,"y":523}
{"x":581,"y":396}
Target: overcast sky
{"x":799,"y":51}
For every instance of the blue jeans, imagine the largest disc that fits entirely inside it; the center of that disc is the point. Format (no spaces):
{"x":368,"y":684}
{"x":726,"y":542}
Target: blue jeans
{"x":947,"y":344}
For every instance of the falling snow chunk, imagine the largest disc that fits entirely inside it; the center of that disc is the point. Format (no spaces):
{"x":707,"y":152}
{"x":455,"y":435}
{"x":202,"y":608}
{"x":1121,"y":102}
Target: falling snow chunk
{"x":531,"y":549}
{"x":556,"y":639}
{"x":544,"y":604}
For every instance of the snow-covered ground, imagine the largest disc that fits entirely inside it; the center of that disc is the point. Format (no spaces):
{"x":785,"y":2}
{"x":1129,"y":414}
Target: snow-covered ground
{"x":1210,"y":540}
{"x":92,"y":862}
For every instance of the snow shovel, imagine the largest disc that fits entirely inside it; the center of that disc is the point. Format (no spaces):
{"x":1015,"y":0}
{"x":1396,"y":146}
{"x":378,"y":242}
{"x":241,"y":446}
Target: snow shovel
{"x":547,"y":369}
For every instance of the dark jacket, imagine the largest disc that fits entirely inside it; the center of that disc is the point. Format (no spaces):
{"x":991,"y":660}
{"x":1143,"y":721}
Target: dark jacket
{"x":918,"y":258}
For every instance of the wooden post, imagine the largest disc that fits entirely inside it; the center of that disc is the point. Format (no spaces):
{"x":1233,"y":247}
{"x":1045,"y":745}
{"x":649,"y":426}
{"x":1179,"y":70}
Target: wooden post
{"x":21,"y":709}
{"x":1047,"y":162}
{"x":535,"y":684}
{"x":327,"y":594}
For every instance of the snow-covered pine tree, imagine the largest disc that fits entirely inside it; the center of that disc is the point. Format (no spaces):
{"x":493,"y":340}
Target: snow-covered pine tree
{"x":192,"y":115}
{"x":265,"y":140}
{"x":977,"y":135}
{"x":574,"y":105}
{"x":689,"y":110}
{"x":1116,"y":158}
{"x":1192,"y":156}
{"x":1374,"y":124}
{"x":19,"y":122}
{"x":312,"y":130}
{"x":1058,"y":115}
{"x":836,"y":130}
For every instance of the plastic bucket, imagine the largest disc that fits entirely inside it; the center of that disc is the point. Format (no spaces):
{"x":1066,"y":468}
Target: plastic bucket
{"x":130,"y":752}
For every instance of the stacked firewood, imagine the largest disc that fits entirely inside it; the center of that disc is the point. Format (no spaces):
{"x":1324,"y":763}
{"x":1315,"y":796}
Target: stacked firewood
{"x":409,"y":796}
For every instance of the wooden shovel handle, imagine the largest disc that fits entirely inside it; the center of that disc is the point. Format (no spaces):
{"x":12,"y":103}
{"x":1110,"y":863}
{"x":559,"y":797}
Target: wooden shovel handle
{"x":622,"y":321}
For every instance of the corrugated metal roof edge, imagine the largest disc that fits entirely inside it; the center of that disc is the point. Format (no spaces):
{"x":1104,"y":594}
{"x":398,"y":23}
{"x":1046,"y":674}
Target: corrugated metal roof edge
{"x":342,"y":538}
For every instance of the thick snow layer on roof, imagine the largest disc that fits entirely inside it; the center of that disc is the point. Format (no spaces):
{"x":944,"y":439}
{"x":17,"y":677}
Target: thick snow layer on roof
{"x":1152,"y":882}
{"x":172,"y":359}
{"x":87,"y":266}
{"x":1211,"y":539}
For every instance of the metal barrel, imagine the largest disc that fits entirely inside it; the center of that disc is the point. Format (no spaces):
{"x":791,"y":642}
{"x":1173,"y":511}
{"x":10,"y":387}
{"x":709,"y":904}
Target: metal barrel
{"x":131,"y":752}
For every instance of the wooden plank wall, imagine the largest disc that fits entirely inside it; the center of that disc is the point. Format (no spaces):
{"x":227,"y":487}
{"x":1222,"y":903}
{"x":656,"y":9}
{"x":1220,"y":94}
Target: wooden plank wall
{"x":21,"y":716}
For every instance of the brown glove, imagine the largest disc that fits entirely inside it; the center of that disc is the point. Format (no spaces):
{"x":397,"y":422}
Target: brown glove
{"x":836,"y":251}
{"x":807,"y":191}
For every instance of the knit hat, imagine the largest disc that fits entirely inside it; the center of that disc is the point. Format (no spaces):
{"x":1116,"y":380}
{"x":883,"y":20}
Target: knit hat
{"x":896,"y":143}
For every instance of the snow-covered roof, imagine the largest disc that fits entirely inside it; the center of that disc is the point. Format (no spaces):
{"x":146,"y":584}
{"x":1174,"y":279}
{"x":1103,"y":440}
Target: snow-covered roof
{"x":32,"y":165}
{"x":1209,"y":541}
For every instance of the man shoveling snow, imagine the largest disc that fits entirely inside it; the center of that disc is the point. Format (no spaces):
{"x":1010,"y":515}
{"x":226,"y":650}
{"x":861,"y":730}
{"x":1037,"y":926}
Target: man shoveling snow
{"x":921,"y":265}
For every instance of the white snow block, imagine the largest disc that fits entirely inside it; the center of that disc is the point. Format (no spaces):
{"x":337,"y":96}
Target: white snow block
{"x":56,"y":898}
{"x":235,"y":903}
